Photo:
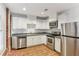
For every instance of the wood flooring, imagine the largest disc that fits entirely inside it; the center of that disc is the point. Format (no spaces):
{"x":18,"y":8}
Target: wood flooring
{"x":40,"y":50}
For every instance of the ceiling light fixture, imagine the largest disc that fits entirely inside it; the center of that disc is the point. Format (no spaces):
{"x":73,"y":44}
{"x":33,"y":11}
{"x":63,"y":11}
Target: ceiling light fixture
{"x":42,"y":13}
{"x":24,"y":9}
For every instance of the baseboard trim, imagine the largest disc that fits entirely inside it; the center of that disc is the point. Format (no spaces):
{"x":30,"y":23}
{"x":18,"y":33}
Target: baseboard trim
{"x":53,"y":50}
{"x":18,"y":48}
{"x":58,"y":52}
{"x":35,"y":45}
{"x":27,"y":47}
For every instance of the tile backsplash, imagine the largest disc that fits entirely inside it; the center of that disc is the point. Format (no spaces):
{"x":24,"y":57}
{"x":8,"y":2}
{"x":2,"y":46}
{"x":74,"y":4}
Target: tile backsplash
{"x":18,"y":30}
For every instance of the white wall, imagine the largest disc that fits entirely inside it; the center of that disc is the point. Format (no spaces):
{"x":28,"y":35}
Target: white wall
{"x":71,"y":15}
{"x":3,"y":28}
{"x":53,"y":17}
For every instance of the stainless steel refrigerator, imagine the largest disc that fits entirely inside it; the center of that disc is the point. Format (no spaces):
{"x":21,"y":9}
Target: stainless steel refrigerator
{"x":70,"y":39}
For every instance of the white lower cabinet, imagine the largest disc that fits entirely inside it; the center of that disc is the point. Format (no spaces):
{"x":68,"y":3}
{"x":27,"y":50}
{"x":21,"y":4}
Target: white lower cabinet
{"x":29,"y":41}
{"x":58,"y":44}
{"x":36,"y":40}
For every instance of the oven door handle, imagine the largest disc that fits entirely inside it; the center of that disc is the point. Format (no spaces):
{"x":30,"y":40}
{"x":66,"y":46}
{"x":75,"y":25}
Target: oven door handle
{"x":49,"y":37}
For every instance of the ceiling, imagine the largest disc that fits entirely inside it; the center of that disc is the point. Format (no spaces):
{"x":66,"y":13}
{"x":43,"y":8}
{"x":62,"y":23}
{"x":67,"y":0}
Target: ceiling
{"x":36,"y":8}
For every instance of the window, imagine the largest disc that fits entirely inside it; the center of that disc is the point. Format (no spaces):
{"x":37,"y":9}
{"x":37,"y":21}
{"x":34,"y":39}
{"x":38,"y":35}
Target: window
{"x":2,"y":28}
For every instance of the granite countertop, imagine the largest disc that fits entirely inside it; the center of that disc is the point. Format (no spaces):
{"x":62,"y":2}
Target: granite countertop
{"x":34,"y":34}
{"x":30,"y":34}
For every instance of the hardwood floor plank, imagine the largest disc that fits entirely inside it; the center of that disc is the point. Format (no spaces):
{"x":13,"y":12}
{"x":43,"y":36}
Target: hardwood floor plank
{"x":40,"y":50}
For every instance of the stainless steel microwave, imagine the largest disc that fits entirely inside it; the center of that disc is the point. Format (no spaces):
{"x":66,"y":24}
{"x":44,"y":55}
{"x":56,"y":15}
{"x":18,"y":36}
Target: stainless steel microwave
{"x":53,"y":24}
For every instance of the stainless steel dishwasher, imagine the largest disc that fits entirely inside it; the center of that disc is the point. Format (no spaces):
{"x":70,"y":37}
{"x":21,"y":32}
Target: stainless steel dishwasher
{"x":21,"y":42}
{"x":18,"y":42}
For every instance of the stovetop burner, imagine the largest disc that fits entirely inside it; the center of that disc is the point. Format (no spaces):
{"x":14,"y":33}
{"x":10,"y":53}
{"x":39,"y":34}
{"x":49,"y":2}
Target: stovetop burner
{"x":53,"y":35}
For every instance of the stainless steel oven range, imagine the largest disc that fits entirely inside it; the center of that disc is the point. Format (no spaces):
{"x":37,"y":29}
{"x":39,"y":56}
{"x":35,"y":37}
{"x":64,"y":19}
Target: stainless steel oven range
{"x":50,"y":42}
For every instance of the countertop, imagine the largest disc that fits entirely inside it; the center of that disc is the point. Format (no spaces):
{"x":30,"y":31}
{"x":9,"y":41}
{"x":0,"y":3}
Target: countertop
{"x":30,"y":34}
{"x":35,"y":34}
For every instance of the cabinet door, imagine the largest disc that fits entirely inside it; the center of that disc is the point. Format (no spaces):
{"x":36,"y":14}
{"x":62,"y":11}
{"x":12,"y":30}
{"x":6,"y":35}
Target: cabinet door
{"x":44,"y":39}
{"x":29,"y":41}
{"x":14,"y":42}
{"x":42,"y":24}
{"x":58,"y":44}
{"x":36,"y":40}
{"x":14,"y":22}
{"x":18,"y":23}
{"x":39,"y":40}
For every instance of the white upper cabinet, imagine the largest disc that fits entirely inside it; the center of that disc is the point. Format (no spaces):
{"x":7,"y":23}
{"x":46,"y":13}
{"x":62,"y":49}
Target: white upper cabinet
{"x":42,"y":24}
{"x":28,"y":24}
{"x":18,"y":23}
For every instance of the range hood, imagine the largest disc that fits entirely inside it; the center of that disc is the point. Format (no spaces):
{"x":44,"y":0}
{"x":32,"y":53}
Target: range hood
{"x":42,"y":18}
